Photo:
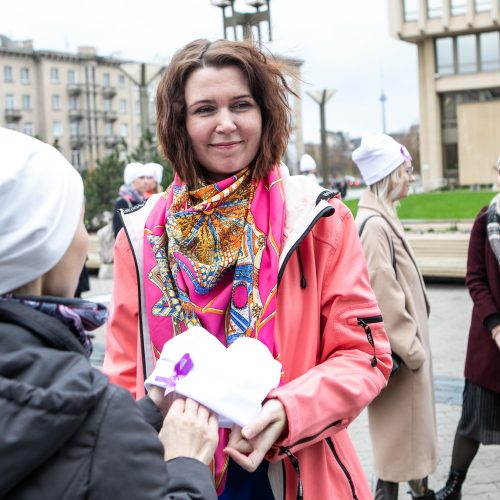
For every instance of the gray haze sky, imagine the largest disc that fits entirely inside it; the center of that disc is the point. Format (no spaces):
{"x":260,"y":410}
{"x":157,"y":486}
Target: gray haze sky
{"x":344,"y":44}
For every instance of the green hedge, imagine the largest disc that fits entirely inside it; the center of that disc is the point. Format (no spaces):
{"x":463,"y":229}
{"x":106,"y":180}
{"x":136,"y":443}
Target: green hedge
{"x":449,"y":205}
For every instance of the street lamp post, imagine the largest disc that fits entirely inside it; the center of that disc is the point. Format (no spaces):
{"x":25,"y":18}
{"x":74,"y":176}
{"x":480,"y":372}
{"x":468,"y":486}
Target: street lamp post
{"x":142,"y":75}
{"x":247,"y":20}
{"x":382,"y":100}
{"x":321,"y":97}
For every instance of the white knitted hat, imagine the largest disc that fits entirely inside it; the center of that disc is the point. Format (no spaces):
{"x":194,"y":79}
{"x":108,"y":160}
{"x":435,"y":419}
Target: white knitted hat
{"x":307,"y":163}
{"x":41,"y":200}
{"x":155,"y":170}
{"x":133,"y":171}
{"x":378,"y":156}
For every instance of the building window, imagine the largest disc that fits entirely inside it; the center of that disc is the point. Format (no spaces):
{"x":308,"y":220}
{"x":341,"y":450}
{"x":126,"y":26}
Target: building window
{"x":466,"y":54}
{"x":74,"y":128}
{"x":434,"y":9}
{"x":56,"y":102}
{"x":444,"y":56}
{"x":489,"y":50}
{"x":73,"y":102}
{"x":9,"y":101}
{"x":109,"y":128}
{"x":12,"y":126}
{"x":26,"y":99}
{"x":28,"y":129}
{"x":482,"y":5}
{"x":106,"y":80}
{"x":107,"y":104}
{"x":121,"y":81}
{"x":71,"y":76}
{"x":57,"y":128}
{"x":7,"y":74}
{"x":54,"y":75}
{"x":25,"y":75}
{"x":123,"y":106}
{"x":76,"y":158}
{"x":410,"y":10}
{"x":458,"y":7}
{"x":124,"y":130}
{"x":137,"y":107}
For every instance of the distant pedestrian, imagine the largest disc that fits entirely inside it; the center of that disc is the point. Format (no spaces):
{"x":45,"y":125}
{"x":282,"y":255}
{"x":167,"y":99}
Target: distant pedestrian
{"x":402,"y":419}
{"x":308,"y":167}
{"x":65,"y":431}
{"x":154,"y":179}
{"x":131,"y":192}
{"x":480,"y":420}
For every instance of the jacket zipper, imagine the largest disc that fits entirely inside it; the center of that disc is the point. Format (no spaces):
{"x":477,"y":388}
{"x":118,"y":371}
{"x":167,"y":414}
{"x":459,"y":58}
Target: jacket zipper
{"x":294,"y":460}
{"x":141,"y":330}
{"x":364,"y":322}
{"x":343,"y":467}
{"x":326,"y":212}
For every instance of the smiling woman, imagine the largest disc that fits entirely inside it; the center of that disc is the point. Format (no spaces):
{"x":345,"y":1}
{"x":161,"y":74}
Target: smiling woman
{"x":213,"y":250}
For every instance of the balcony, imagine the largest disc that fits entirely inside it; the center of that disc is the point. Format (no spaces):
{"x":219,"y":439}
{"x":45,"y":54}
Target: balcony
{"x":77,"y":140}
{"x":108,"y":92}
{"x":75,"y":114}
{"x":111,"y":141}
{"x":12,"y":115}
{"x":75,"y":88}
{"x":110,"y":116}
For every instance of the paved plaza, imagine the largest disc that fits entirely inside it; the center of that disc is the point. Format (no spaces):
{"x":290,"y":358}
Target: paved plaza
{"x":449,"y":322}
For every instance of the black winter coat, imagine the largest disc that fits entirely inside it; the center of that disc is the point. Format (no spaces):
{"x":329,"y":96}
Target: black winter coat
{"x":66,"y":433}
{"x":482,"y":364}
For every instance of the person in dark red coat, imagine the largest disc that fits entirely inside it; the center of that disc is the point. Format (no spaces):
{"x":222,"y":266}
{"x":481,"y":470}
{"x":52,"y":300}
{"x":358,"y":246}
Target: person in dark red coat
{"x":480,"y":420}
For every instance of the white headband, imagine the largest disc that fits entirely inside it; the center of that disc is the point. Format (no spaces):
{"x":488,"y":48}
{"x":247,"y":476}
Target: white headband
{"x":41,"y":199}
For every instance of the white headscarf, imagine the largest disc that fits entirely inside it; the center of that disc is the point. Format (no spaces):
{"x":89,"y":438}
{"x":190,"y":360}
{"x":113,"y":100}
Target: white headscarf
{"x":41,"y":199}
{"x":155,"y":170}
{"x":378,"y":156}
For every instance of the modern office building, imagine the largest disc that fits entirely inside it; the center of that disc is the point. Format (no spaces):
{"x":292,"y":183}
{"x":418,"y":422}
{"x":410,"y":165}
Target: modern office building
{"x":458,"y":45}
{"x":83,"y":103}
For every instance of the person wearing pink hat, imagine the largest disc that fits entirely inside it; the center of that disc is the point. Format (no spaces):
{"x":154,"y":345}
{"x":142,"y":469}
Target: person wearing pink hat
{"x":402,"y":419}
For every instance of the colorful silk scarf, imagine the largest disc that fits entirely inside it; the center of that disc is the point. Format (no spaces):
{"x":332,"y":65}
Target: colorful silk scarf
{"x":211,"y":259}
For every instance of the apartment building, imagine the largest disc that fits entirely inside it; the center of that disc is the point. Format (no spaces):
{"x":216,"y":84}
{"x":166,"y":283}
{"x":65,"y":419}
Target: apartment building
{"x":458,"y":45}
{"x":83,"y":103}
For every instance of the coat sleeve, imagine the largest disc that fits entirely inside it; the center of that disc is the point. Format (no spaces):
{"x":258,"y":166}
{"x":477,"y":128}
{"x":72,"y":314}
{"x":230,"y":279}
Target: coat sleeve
{"x":400,"y":326}
{"x":128,"y":460}
{"x":326,"y":398}
{"x":120,"y":358}
{"x":477,"y":278}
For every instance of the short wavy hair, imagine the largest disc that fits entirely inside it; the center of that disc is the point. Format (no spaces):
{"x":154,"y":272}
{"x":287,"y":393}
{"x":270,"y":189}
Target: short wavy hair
{"x":267,"y":84}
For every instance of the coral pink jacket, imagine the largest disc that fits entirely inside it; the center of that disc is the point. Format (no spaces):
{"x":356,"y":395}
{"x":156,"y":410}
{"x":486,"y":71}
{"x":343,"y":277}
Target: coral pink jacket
{"x":334,"y":350}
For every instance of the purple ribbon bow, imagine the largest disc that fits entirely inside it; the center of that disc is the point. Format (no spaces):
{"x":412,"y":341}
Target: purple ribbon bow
{"x":181,"y":369}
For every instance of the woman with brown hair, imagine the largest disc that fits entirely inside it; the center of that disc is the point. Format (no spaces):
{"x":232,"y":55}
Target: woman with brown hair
{"x":240,"y":247}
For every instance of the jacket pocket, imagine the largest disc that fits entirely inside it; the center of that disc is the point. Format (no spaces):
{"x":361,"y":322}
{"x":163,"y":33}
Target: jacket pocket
{"x":329,"y":441}
{"x":365,"y":324}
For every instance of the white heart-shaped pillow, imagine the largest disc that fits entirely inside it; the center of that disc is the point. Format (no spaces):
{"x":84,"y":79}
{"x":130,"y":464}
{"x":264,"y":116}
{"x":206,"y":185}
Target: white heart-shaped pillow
{"x":231,"y":382}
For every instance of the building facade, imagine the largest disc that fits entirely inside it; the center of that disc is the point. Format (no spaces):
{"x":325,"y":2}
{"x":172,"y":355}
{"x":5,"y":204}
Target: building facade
{"x":83,"y":104}
{"x":458,"y":45}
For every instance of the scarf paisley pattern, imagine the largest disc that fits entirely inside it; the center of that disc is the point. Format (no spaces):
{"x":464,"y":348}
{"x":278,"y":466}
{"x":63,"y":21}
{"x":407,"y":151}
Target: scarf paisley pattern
{"x":211,"y":258}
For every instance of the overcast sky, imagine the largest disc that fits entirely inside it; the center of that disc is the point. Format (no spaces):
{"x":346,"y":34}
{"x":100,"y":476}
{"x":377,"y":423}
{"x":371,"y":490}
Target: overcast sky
{"x":345,"y":45}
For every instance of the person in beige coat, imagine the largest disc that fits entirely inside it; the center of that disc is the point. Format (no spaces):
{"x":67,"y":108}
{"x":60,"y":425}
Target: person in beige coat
{"x":402,"y":419}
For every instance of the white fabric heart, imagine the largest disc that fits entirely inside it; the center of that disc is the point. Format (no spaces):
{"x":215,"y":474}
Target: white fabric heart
{"x":231,"y":382}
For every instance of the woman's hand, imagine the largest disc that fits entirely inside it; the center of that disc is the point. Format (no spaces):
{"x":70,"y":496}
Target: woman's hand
{"x":248,"y":446}
{"x":189,"y":430}
{"x":495,"y":333}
